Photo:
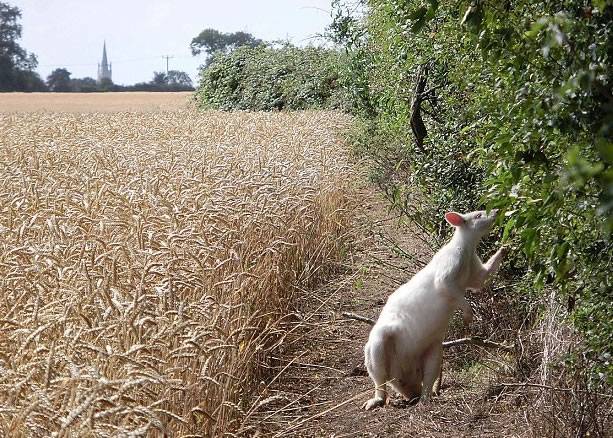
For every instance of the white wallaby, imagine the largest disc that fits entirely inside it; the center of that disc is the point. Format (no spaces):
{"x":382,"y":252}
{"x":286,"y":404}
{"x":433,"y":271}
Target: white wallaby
{"x":404,"y":347}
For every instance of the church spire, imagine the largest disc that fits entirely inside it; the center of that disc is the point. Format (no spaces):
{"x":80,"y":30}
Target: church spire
{"x":104,"y":60}
{"x":104,"y":69}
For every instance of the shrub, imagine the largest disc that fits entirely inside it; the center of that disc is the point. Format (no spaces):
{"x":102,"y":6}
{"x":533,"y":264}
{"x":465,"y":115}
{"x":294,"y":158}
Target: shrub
{"x":269,"y":78}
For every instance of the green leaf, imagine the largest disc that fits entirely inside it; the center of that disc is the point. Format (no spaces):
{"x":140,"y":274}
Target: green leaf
{"x":605,"y":149}
{"x":508,"y":228}
{"x":418,"y":13}
{"x":418,"y":25}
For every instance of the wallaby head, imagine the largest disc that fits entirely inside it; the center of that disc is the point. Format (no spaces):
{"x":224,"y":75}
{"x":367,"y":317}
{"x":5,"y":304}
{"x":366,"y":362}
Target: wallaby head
{"x":475,"y":224}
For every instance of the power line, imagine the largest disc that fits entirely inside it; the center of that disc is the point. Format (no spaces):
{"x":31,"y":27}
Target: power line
{"x":95,"y":63}
{"x":121,"y":61}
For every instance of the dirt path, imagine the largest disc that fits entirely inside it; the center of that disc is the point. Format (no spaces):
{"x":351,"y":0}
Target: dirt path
{"x":321,"y":382}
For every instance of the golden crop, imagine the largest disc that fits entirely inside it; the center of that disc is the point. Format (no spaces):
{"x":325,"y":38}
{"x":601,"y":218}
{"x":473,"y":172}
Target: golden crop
{"x":148,"y":262}
{"x":94,"y":102}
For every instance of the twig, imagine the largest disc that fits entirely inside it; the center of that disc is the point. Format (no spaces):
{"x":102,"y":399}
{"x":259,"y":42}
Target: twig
{"x":417,"y":123}
{"x":474,"y":340}
{"x":254,"y":405}
{"x":391,"y":265}
{"x":359,"y":318}
{"x":322,"y":413}
{"x":396,"y":247}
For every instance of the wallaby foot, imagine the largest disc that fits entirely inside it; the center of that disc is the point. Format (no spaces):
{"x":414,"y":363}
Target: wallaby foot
{"x":436,"y":389}
{"x":375,"y":402}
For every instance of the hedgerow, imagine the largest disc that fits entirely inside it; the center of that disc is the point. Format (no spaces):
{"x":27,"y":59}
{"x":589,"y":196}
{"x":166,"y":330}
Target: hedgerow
{"x":272,"y":78}
{"x":518,"y":115}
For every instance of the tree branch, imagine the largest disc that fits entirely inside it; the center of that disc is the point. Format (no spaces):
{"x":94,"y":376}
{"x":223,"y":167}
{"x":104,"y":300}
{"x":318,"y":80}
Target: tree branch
{"x":417,"y":124}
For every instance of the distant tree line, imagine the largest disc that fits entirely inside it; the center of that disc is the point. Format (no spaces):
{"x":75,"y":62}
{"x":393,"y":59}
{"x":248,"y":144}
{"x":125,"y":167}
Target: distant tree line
{"x":60,"y":81}
{"x":17,"y":68}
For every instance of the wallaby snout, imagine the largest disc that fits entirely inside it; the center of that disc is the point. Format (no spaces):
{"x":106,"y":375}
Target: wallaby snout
{"x":493,"y":214}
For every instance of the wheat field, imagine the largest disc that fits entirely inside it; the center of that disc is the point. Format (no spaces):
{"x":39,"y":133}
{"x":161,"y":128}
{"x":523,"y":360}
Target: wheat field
{"x":135,"y":101}
{"x":149,"y":261}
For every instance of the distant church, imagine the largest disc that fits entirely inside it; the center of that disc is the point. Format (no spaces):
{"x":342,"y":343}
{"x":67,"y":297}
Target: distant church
{"x":105,"y":70}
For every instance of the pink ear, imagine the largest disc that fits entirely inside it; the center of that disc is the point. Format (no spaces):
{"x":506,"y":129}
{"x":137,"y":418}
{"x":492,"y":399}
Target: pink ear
{"x":454,"y":219}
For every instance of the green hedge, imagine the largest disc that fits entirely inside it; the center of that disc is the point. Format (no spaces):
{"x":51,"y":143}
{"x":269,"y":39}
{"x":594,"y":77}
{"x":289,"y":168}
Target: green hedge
{"x":521,"y":117}
{"x":268,"y":78}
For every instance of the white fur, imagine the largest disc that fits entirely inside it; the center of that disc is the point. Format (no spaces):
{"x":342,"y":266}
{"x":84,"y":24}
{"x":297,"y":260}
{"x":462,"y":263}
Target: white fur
{"x":405,"y":345}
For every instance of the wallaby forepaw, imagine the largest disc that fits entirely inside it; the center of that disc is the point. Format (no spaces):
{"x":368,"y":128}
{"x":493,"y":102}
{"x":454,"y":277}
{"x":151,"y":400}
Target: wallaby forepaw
{"x":373,"y":403}
{"x":504,"y":250}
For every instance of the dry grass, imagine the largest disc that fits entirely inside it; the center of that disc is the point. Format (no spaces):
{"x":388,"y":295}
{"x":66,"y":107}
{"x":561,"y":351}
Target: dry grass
{"x":148,"y":263}
{"x":94,"y":102}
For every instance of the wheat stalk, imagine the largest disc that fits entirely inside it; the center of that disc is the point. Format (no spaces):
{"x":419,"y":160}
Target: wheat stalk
{"x":149,"y":261}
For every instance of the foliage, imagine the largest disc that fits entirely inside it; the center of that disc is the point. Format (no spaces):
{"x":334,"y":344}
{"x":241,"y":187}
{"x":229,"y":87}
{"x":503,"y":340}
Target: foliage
{"x":83,"y":85}
{"x":16,"y":65}
{"x":106,"y":84}
{"x":269,"y":78}
{"x":59,"y":80}
{"x":178,"y":78}
{"x":159,"y":78}
{"x":347,"y":30}
{"x":519,"y":116}
{"x":211,"y":41}
{"x":174,"y":80}
{"x":27,"y":81}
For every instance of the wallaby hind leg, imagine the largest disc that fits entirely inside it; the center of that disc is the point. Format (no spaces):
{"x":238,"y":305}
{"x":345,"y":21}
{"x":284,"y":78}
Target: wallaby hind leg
{"x":432,"y":369}
{"x":378,"y":355}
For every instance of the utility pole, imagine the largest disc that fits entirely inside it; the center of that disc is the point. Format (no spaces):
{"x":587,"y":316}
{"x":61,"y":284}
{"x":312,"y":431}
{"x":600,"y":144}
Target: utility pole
{"x":167,"y":58}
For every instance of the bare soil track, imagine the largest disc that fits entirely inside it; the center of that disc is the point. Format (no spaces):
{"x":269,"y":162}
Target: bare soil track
{"x":320,"y":383}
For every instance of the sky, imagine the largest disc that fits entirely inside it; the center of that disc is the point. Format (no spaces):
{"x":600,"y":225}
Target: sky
{"x":138,"y":33}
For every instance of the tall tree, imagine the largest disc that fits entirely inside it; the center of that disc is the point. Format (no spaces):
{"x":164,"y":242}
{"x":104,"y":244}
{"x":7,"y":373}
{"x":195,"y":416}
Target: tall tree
{"x":159,"y":78}
{"x":59,"y":80}
{"x":174,"y":80}
{"x":210,"y":41}
{"x":180,"y":79}
{"x":16,"y":65}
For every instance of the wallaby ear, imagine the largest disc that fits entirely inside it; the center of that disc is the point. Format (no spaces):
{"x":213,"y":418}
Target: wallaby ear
{"x":454,"y":219}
